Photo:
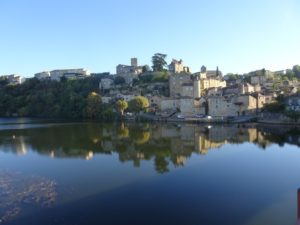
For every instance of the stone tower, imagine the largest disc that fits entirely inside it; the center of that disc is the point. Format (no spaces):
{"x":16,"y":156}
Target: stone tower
{"x":197,"y":87}
{"x":134,"y":62}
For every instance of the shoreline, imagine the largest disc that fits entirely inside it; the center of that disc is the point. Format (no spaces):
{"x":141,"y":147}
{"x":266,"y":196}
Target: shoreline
{"x":27,"y":120}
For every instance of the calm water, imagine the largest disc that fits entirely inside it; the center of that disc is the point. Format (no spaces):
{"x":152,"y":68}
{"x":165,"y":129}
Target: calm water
{"x":89,"y":173}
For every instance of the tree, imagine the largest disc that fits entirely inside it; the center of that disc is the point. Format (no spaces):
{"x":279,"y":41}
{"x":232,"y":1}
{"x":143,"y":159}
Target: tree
{"x":274,"y":107}
{"x":296,"y":70}
{"x":119,"y":80}
{"x":138,"y":103}
{"x":293,"y":115}
{"x":93,"y":108}
{"x":159,"y":62}
{"x":121,"y":105}
{"x":146,"y":69}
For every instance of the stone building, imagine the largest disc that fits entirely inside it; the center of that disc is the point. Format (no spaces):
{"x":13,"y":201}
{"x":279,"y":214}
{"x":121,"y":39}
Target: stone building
{"x":203,"y":84}
{"x":133,"y":69}
{"x":176,"y":81}
{"x":195,"y":85}
{"x":258,"y":80}
{"x":177,"y":66}
{"x":185,"y":105}
{"x":235,"y":105}
{"x":187,"y":90}
{"x":134,"y":62}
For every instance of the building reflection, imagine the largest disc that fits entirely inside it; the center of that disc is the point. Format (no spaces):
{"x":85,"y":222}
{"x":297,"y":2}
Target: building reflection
{"x":165,"y":145}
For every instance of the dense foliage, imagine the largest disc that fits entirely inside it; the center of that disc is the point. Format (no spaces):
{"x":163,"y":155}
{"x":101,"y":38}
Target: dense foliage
{"x":68,"y":99}
{"x":152,"y":77}
{"x":138,"y":104}
{"x":159,"y":62}
{"x":121,"y":105}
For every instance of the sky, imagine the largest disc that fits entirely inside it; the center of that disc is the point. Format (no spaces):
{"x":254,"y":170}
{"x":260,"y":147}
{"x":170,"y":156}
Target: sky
{"x":237,"y":36}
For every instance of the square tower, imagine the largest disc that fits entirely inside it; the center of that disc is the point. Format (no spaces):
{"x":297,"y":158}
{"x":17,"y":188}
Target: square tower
{"x":134,"y":62}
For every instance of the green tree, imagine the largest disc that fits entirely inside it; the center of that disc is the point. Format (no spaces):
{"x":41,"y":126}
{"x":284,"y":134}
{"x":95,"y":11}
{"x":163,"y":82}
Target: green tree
{"x":138,"y":104}
{"x":121,"y":105}
{"x":296,"y":70}
{"x":274,"y":107}
{"x":146,"y":69}
{"x":93,"y":108}
{"x":159,"y":62}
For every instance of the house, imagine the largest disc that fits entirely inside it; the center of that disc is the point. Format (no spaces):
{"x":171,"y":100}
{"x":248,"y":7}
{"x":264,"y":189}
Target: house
{"x":235,"y":105}
{"x":185,"y":105}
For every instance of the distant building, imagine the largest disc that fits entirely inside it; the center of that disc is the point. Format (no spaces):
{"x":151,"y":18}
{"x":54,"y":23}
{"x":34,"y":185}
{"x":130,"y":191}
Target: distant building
{"x":184,"y":84}
{"x":134,"y":62}
{"x":133,"y":69}
{"x":177,"y":66}
{"x":43,"y":75}
{"x":67,"y":73}
{"x":14,"y":79}
{"x":258,"y":80}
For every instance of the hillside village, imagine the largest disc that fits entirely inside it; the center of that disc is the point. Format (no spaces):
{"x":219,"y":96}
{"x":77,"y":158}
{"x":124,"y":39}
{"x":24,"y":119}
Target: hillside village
{"x":173,"y":91}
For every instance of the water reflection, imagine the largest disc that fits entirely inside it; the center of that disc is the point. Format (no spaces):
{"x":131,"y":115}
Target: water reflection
{"x":166,"y":145}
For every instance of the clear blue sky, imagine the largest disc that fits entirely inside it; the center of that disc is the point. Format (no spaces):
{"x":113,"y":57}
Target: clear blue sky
{"x":236,"y":35}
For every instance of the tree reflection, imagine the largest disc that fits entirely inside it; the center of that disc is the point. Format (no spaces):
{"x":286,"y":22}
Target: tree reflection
{"x":165,"y":145}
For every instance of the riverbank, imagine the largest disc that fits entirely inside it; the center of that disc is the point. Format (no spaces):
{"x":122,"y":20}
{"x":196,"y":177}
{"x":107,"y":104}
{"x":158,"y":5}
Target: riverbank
{"x":214,"y":120}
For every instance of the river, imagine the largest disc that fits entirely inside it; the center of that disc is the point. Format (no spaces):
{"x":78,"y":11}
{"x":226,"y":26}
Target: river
{"x":126,"y":173}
